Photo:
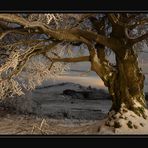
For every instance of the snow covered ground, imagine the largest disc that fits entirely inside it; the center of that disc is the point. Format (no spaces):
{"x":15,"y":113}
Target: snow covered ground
{"x":50,"y":101}
{"x":61,"y":114}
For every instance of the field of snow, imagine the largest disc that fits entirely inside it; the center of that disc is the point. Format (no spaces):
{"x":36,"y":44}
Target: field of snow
{"x":50,"y":101}
{"x":51,"y":112}
{"x":56,"y":113}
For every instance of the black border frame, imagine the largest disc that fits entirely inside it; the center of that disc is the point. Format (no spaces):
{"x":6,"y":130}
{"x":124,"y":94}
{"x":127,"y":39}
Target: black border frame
{"x":75,"y":6}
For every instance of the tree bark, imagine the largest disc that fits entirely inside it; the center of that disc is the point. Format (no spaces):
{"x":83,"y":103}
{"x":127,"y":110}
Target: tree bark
{"x":126,"y":85}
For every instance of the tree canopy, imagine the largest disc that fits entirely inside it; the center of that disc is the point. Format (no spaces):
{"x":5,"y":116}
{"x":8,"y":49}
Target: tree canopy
{"x":35,"y":47}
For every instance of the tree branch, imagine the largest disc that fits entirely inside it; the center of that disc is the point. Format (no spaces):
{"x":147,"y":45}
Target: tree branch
{"x":99,"y":25}
{"x":80,"y":20}
{"x":138,"y":23}
{"x":77,"y":59}
{"x":115,"y":21}
{"x":139,"y":39}
{"x":3,"y":34}
{"x":24,"y":58}
{"x":72,"y":35}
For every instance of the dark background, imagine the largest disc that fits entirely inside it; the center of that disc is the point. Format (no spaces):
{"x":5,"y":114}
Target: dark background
{"x":73,"y":5}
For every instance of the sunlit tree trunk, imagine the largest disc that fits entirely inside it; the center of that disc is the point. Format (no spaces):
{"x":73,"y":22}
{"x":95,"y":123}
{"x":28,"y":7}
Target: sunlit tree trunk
{"x":126,"y":88}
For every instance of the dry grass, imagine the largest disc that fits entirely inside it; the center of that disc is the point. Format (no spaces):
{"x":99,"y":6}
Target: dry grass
{"x":15,"y":124}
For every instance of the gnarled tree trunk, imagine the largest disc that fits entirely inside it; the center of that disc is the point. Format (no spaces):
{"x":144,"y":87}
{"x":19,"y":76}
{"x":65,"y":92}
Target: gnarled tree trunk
{"x":125,"y":83}
{"x":126,"y":88}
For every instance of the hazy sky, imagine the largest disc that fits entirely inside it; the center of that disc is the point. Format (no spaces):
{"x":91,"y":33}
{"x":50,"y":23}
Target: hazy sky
{"x":85,"y":66}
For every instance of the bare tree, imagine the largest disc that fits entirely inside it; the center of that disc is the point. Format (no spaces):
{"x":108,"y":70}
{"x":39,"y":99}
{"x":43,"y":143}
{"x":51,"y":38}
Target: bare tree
{"x":24,"y":37}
